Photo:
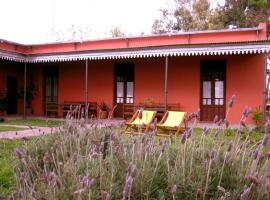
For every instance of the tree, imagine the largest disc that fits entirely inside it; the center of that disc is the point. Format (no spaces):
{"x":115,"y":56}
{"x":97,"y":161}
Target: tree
{"x":116,"y":32}
{"x":197,"y":15}
{"x":243,"y":13}
{"x":187,"y":15}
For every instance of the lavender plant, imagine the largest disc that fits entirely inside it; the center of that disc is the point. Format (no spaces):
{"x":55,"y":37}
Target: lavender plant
{"x":93,"y":161}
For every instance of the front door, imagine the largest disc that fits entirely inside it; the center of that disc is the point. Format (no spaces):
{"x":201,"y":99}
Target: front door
{"x":51,"y":85}
{"x":124,"y":86}
{"x":213,"y":84}
{"x":12,"y":97}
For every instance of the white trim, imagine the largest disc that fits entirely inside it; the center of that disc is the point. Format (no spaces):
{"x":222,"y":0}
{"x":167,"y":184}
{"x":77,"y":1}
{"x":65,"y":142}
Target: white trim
{"x":187,"y":50}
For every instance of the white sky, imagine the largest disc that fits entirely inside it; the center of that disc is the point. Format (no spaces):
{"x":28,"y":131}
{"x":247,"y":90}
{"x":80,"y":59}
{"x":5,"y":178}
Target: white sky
{"x":34,"y":21}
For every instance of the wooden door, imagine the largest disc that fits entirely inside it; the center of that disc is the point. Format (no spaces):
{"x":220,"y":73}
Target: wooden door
{"x":50,"y":85}
{"x":12,"y":97}
{"x":124,"y":86}
{"x":213,"y":89}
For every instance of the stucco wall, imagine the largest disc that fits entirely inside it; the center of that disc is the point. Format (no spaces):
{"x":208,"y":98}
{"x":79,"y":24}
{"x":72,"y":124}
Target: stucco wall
{"x":245,"y":79}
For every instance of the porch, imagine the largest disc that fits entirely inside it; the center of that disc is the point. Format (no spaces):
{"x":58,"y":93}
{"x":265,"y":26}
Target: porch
{"x":184,"y":83}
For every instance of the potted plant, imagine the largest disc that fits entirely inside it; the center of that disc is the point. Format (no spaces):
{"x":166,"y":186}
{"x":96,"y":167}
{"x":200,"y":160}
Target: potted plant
{"x":149,"y":101}
{"x":103,"y":110}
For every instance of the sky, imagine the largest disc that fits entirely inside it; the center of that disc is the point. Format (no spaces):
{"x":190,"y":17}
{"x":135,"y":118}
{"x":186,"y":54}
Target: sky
{"x":41,"y":21}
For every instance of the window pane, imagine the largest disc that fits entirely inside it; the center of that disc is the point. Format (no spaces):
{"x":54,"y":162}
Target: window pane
{"x":204,"y":101}
{"x":129,"y":89}
{"x":219,"y":87}
{"x":119,"y":100}
{"x":120,"y":89}
{"x":129,"y":97}
{"x":219,"y":102}
{"x":207,"y":89}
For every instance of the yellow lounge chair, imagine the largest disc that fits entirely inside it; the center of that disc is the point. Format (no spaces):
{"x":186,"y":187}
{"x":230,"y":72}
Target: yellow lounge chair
{"x":172,"y":120}
{"x":147,"y":118}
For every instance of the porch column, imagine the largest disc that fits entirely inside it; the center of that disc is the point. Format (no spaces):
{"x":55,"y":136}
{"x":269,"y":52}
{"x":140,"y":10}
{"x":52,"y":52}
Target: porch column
{"x":24,"y":91}
{"x":266,"y":85}
{"x":86,"y":87}
{"x":166,"y":83}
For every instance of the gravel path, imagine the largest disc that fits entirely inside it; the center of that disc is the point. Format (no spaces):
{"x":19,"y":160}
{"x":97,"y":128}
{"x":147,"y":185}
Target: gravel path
{"x":30,"y":132}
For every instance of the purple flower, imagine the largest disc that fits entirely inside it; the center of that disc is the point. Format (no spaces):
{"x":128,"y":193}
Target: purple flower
{"x":189,"y":133}
{"x":215,"y":119}
{"x":174,"y":189}
{"x":33,"y":191}
{"x":226,"y":123}
{"x":232,"y":101}
{"x":220,"y":122}
{"x":245,"y":194}
{"x":20,"y":193}
{"x":51,"y":176}
{"x":230,"y":146}
{"x":256,"y":153}
{"x":184,"y":138}
{"x":253,"y":179}
{"x":265,"y":139}
{"x":206,"y":131}
{"x":212,"y":153}
{"x":247,"y":111}
{"x":221,"y":189}
{"x":11,"y":197}
{"x":127,"y":188}
{"x":132,"y":170}
{"x":19,"y":153}
{"x":267,"y":124}
{"x":112,"y":136}
{"x":22,"y":177}
{"x":84,"y":181}
{"x":243,"y":124}
{"x":92,"y":183}
{"x":105,"y":195}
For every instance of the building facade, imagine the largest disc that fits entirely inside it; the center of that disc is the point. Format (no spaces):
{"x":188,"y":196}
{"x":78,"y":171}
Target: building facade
{"x":197,"y":70}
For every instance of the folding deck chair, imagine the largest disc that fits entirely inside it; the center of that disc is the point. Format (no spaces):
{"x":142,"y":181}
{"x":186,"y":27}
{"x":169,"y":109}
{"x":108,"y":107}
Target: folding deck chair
{"x":146,"y":120}
{"x":172,"y":120}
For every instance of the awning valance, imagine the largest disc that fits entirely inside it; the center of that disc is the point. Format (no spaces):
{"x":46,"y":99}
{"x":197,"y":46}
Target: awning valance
{"x":162,"y":51}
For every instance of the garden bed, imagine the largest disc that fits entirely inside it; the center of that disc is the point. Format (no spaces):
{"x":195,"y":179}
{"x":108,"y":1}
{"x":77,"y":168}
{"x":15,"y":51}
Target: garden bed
{"x":96,"y":163}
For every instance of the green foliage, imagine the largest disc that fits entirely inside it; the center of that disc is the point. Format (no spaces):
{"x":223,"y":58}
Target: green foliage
{"x":35,"y":122}
{"x":257,"y":117}
{"x":198,"y":15}
{"x":9,"y":128}
{"x":7,"y":160}
{"x":260,"y":3}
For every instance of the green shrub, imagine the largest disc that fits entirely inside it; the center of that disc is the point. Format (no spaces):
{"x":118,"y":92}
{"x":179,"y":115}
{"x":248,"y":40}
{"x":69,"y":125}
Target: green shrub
{"x":257,"y":116}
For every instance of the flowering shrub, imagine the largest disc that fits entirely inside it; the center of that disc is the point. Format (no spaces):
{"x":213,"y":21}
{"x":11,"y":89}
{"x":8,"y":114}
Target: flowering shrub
{"x":97,"y":162}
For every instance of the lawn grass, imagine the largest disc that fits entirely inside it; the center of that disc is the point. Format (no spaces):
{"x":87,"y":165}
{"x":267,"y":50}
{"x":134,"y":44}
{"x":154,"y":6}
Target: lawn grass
{"x":10,"y":128}
{"x":7,"y":161}
{"x":35,"y":122}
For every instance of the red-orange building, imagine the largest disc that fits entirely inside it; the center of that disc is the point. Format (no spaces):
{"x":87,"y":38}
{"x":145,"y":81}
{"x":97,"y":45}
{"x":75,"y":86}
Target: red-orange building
{"x":200,"y":69}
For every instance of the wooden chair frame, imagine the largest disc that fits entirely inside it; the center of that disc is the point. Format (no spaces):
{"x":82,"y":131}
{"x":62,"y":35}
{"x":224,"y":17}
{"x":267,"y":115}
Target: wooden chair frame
{"x":147,"y":126}
{"x":178,"y":129}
